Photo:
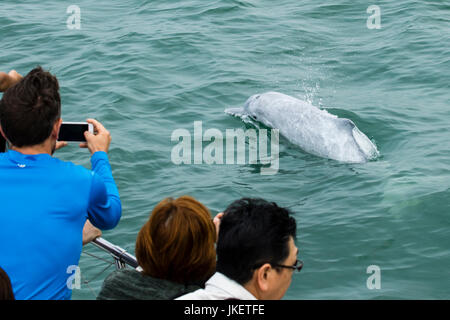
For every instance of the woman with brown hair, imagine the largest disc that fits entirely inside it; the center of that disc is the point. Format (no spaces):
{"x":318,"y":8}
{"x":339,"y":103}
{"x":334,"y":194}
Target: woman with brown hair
{"x":176,"y":251}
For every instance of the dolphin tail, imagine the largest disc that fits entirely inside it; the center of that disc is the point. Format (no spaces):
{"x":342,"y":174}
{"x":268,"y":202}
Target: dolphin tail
{"x":366,"y":146}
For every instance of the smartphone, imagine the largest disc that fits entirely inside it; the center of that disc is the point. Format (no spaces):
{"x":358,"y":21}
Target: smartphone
{"x":74,"y":131}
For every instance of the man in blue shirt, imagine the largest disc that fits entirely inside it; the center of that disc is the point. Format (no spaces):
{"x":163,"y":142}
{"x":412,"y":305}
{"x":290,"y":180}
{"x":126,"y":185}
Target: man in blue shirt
{"x":45,"y":202}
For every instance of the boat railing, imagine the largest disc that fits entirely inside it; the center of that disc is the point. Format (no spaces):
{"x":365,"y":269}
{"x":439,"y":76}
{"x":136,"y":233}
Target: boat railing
{"x":121,"y":257}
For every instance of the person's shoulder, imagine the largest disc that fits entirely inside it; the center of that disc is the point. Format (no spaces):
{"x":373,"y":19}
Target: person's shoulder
{"x":122,"y":275}
{"x":199,"y":294}
{"x":117,"y":284}
{"x":71,"y":168}
{"x":219,"y":287}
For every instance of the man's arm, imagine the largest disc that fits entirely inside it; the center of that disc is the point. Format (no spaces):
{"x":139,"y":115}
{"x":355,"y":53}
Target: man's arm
{"x":90,"y":232}
{"x":105,"y":207}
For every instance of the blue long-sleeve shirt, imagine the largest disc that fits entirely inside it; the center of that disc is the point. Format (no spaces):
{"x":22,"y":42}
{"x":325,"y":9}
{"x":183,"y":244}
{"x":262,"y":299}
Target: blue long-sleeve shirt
{"x":44,"y":204}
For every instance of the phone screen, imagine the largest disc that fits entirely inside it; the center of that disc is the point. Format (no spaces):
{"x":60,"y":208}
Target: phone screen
{"x":72,"y":132}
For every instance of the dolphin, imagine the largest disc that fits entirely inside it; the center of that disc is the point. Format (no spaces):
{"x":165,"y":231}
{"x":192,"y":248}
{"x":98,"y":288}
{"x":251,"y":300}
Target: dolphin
{"x":314,"y":130}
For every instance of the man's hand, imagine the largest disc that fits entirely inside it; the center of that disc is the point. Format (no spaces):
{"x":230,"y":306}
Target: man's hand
{"x":99,"y":141}
{"x":3,"y":81}
{"x":8,"y":80}
{"x":217,"y":219}
{"x":90,"y":232}
{"x":60,"y":144}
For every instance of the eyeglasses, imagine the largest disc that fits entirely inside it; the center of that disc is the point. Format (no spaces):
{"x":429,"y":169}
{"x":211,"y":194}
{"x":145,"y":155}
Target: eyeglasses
{"x":298,"y":265}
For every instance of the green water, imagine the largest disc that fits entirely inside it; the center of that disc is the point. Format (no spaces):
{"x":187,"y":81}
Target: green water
{"x":147,"y":68}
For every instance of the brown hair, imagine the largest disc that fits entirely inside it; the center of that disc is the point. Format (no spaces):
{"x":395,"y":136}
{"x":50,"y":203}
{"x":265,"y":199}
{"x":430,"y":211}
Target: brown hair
{"x":6,"y":292}
{"x":177,"y":242}
{"x":29,"y":109}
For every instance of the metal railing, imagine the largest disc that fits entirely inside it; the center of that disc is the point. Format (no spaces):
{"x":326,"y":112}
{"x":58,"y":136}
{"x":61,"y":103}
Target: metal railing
{"x":121,"y":259}
{"x":121,"y":256}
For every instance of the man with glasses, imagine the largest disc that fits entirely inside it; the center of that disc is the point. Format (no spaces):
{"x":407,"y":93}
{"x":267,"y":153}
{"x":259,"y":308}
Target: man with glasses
{"x":256,"y":253}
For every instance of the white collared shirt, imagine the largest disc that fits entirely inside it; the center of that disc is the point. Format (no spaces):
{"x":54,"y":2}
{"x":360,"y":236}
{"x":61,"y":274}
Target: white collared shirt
{"x":219,"y":287}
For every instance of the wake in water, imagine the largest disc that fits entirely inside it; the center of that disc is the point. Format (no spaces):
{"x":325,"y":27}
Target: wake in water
{"x":315,"y":131}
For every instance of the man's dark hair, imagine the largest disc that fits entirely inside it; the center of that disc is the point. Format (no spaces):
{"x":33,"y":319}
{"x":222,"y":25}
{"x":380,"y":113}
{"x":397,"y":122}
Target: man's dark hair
{"x":29,"y":109}
{"x":253,"y":232}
